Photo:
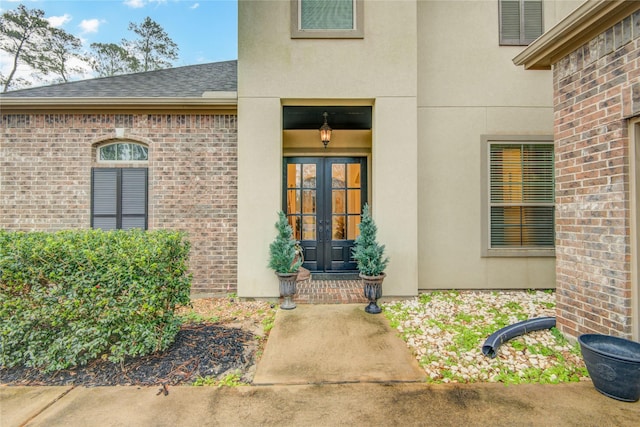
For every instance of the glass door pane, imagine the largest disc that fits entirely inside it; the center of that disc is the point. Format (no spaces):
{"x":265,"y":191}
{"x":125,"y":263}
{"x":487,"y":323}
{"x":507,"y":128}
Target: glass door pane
{"x":302,"y":203}
{"x":346,"y":200}
{"x":301,"y":200}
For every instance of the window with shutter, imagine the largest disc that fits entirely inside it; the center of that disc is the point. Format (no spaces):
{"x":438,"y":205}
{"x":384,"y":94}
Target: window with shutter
{"x":119,"y":198}
{"x":327,"y":18}
{"x":521,"y":21}
{"x":519,"y":201}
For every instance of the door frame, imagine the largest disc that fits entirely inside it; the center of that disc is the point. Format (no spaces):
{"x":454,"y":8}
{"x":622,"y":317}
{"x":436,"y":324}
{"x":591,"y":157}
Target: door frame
{"x":324,"y":198}
{"x":634,"y":203}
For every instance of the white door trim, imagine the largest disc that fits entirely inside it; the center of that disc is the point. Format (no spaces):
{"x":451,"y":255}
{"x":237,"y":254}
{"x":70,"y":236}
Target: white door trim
{"x":634,"y":202}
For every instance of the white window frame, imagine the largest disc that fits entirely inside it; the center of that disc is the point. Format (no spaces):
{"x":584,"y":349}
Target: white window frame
{"x":487,"y":250}
{"x":356,"y":33}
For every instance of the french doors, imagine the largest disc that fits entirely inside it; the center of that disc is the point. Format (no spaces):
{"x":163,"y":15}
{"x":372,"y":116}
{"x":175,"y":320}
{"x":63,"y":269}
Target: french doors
{"x":323,"y":199}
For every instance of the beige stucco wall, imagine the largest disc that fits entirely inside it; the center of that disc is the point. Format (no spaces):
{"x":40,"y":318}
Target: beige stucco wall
{"x":395,"y":185}
{"x":259,"y":175}
{"x":379,"y":70}
{"x":437,"y":80}
{"x":383,"y":63}
{"x":450,"y":200}
{"x":468,"y":87}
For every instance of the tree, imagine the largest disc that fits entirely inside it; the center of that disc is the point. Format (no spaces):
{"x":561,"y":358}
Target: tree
{"x":283,"y":257}
{"x":110,"y":59}
{"x":367,"y":252}
{"x":31,"y":40}
{"x":62,"y":49}
{"x":153,"y":47}
{"x":22,"y":32}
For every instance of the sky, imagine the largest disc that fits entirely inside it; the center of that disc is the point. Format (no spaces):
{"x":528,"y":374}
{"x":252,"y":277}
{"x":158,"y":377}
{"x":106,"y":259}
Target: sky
{"x":204,"y":30}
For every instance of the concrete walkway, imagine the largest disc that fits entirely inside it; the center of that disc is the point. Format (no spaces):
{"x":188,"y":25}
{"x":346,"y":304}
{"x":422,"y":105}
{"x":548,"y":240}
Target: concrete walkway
{"x":334,"y":344}
{"x":364,"y":404}
{"x":323,"y":366}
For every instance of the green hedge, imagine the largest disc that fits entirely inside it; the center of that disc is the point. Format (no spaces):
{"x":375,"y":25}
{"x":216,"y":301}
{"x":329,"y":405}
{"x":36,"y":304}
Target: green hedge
{"x":72,"y":296}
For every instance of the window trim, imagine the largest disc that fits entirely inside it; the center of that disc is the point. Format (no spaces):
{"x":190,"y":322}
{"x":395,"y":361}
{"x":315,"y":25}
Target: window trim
{"x":522,"y":41}
{"x":356,"y":33}
{"x":634,"y":199}
{"x":486,"y":249}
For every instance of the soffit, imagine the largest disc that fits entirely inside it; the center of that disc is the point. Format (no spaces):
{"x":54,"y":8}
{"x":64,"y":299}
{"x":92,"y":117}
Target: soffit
{"x":582,"y":25}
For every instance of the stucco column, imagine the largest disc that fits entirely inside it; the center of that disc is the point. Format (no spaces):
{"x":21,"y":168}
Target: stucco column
{"x":259,"y":180}
{"x":395,"y":193}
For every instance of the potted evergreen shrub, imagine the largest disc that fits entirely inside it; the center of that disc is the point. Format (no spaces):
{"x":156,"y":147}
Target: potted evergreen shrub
{"x":371,"y":261}
{"x":285,"y":260}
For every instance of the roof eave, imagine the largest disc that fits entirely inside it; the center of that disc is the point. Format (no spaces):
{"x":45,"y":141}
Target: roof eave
{"x":209,"y":100}
{"x":583,"y":24}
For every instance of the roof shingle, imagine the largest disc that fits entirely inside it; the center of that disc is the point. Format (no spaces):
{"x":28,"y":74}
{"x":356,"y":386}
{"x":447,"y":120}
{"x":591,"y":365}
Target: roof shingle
{"x":179,"y":82}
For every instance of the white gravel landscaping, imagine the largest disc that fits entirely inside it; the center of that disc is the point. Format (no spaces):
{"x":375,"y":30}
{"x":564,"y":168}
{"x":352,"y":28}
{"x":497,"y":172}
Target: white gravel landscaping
{"x":446,"y":331}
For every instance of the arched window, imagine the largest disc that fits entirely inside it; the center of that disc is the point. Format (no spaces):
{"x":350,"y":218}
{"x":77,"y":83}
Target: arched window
{"x":119,"y":194}
{"x":123,"y":152}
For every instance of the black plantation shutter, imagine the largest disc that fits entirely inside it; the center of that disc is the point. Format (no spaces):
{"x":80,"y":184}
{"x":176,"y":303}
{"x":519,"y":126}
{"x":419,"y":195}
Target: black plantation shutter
{"x":134,"y":198}
{"x":119,"y":198}
{"x":104,"y":196}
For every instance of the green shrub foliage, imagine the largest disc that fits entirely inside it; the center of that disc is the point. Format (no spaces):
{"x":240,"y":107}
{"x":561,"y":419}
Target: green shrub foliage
{"x":282,"y":251}
{"x":367,"y":252}
{"x":72,"y":296}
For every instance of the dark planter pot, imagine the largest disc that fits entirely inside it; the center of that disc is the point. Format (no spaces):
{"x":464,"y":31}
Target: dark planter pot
{"x":372,"y":291}
{"x":287,"y":289}
{"x":613,"y":364}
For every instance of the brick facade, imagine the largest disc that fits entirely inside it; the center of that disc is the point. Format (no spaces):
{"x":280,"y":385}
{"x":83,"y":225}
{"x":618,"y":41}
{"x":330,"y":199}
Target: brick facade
{"x":596,"y":89}
{"x":45,"y":178}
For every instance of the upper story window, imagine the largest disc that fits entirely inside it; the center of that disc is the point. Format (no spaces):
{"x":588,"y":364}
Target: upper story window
{"x":123,"y":152}
{"x":520,"y":21}
{"x":327,"y":18}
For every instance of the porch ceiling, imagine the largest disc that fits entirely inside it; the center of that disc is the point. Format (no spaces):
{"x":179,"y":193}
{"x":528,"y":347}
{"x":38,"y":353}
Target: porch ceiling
{"x":340,"y":117}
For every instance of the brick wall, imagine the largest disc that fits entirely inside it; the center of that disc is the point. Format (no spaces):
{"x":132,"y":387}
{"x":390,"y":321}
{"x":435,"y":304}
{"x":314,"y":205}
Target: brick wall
{"x":45,"y":178}
{"x":596,"y":89}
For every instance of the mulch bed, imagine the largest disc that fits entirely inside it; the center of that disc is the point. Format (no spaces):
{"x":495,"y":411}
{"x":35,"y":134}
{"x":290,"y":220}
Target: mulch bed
{"x":200,"y":350}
